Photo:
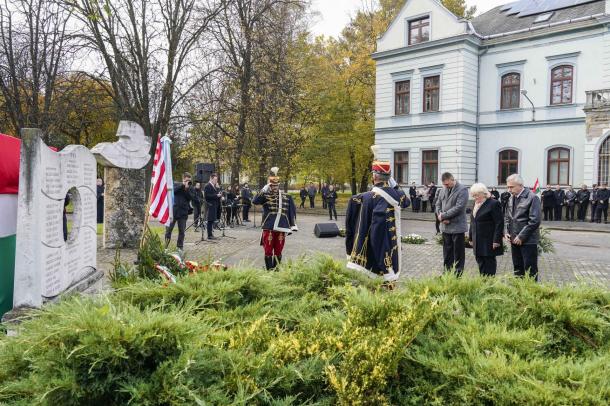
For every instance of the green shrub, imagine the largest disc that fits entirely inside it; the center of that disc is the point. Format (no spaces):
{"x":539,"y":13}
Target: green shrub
{"x":314,"y":333}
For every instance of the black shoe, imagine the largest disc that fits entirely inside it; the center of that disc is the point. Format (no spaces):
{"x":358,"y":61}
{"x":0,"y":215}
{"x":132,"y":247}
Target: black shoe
{"x":212,"y":238}
{"x":269,"y":263}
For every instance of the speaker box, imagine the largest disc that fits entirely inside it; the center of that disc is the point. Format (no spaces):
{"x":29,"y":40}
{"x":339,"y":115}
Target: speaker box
{"x":326,"y":230}
{"x":203,"y":172}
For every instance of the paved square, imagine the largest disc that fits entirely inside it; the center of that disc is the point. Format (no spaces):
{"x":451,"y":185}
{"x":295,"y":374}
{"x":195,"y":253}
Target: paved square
{"x":580,"y":256}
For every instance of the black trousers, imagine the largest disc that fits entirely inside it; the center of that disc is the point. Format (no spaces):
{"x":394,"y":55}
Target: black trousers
{"x":245,"y":212}
{"x":558,"y":212}
{"x":181,"y":229}
{"x":593,"y":211}
{"x":487,"y":265}
{"x":324,"y":202}
{"x":570,"y":212}
{"x":437,"y":224}
{"x":332,"y":210}
{"x":302,"y":202}
{"x":196,"y":213}
{"x":424,"y":206}
{"x":312,"y":202}
{"x":602,"y":210}
{"x":548,"y":212}
{"x":582,"y":210}
{"x":525,"y":259}
{"x":454,"y":252}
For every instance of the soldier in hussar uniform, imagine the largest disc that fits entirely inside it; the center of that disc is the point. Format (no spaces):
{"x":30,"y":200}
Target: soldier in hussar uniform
{"x":279,"y":219}
{"x":373,"y":226}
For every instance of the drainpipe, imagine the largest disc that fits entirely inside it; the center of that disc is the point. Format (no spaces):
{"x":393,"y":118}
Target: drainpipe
{"x":476,"y":167}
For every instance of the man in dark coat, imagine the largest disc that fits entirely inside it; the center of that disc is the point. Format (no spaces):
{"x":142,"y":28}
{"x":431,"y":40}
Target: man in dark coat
{"x":451,"y":212}
{"x":279,"y":219}
{"x":331,"y":199}
{"x":196,"y":202}
{"x":560,"y":197}
{"x":522,"y":220}
{"x":372,"y":227}
{"x":212,"y":195}
{"x":603,"y":196}
{"x":486,"y":229}
{"x":432,"y":194}
{"x":182,"y":207}
{"x":311,"y":192}
{"x":324,"y":192}
{"x":100,"y":201}
{"x":303,"y":196}
{"x":495,"y":194}
{"x":413,"y":196}
{"x":548,"y":203}
{"x":593,"y":200}
{"x":570,"y":203}
{"x":246,"y":200}
{"x":582,"y":198}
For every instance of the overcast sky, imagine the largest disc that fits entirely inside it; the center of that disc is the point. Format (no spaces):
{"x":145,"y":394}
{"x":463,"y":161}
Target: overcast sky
{"x":335,"y":14}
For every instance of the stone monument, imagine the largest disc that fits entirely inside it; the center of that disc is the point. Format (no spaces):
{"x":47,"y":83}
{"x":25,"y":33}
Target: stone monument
{"x":47,"y":263}
{"x":125,"y":185}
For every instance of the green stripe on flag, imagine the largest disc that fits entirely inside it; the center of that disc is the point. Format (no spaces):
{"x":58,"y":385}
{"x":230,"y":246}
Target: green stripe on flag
{"x":7,"y":273}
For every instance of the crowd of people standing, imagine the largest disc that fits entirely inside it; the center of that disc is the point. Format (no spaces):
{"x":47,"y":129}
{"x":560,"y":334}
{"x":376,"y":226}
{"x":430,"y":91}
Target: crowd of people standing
{"x":557,"y":201}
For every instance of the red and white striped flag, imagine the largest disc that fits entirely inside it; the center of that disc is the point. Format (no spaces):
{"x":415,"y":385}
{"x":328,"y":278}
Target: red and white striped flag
{"x":162,"y":185}
{"x":536,"y":189}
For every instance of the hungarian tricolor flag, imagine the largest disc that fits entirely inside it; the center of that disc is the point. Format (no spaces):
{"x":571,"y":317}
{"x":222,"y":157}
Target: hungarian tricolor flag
{"x":9,"y":187}
{"x":537,"y":187}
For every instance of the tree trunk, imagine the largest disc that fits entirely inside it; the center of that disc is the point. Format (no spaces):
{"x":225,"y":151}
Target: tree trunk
{"x":364,"y":181}
{"x":352,"y":158}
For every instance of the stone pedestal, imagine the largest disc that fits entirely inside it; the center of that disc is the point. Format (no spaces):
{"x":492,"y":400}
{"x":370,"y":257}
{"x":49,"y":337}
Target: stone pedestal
{"x":124,"y":207}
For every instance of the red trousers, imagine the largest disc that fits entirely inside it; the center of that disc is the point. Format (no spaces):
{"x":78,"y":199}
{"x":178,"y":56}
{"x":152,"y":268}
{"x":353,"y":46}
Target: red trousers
{"x":273,"y":242}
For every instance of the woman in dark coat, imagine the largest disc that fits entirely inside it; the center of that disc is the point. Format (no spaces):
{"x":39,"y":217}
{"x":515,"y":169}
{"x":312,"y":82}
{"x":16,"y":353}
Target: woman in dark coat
{"x":486,"y":229}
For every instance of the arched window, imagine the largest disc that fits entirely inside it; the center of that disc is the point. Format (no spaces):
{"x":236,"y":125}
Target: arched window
{"x":511,"y":88}
{"x":603,"y":168}
{"x":558,"y":166}
{"x":562,"y":78}
{"x":508,"y":163}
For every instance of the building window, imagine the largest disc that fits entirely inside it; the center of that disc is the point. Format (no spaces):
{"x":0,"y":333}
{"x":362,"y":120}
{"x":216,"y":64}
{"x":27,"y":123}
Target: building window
{"x":603,"y":168}
{"x":401,"y":167}
{"x":561,"y":84}
{"x":429,"y":167}
{"x":558,"y":167}
{"x":511,"y":87}
{"x":431,"y":93}
{"x":403,"y":97}
{"x":508,"y":163}
{"x":419,"y":30}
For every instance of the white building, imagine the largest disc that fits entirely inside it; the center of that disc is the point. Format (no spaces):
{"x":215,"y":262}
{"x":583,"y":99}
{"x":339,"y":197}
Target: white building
{"x":456,"y":95}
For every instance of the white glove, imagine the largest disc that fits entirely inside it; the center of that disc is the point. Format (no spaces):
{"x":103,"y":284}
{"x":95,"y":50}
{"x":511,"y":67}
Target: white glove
{"x":266,"y":188}
{"x":392,"y":183}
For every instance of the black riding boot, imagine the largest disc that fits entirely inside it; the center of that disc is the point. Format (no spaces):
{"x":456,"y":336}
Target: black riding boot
{"x":269,"y":263}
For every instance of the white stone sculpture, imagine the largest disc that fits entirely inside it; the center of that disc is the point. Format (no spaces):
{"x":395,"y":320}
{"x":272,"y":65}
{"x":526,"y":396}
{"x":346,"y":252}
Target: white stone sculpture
{"x":45,"y":264}
{"x":131,"y":151}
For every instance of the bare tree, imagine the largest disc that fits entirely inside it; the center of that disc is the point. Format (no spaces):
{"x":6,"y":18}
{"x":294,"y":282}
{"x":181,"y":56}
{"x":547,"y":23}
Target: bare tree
{"x":149,"y":50}
{"x":36,"y":48}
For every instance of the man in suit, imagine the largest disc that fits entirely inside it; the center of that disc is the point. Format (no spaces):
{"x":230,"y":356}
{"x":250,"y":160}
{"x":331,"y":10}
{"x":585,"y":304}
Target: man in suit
{"x":603,"y":195}
{"x":451,"y":212}
{"x":593,"y":200}
{"x":486,"y":229}
{"x":196,"y":202}
{"x":303,"y":195}
{"x":582,"y":197}
{"x":182,"y":207}
{"x":548,"y":203}
{"x":246,"y":201}
{"x":324,"y":193}
{"x":212,"y":195}
{"x":522,"y":220}
{"x":560,"y":197}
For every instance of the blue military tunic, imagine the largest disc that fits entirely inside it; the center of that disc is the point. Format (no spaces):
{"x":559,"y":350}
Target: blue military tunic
{"x":372,"y":231}
{"x":274,"y":218}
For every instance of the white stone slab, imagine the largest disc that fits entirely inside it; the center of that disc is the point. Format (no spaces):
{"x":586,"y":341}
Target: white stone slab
{"x":45,"y":264}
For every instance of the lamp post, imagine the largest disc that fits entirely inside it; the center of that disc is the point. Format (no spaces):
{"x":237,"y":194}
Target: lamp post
{"x":524,"y":93}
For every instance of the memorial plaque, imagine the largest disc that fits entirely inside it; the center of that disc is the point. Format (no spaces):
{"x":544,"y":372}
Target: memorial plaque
{"x":47,"y":265}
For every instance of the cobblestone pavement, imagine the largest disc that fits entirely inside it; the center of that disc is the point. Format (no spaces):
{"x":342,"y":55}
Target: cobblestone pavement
{"x":241,"y":246}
